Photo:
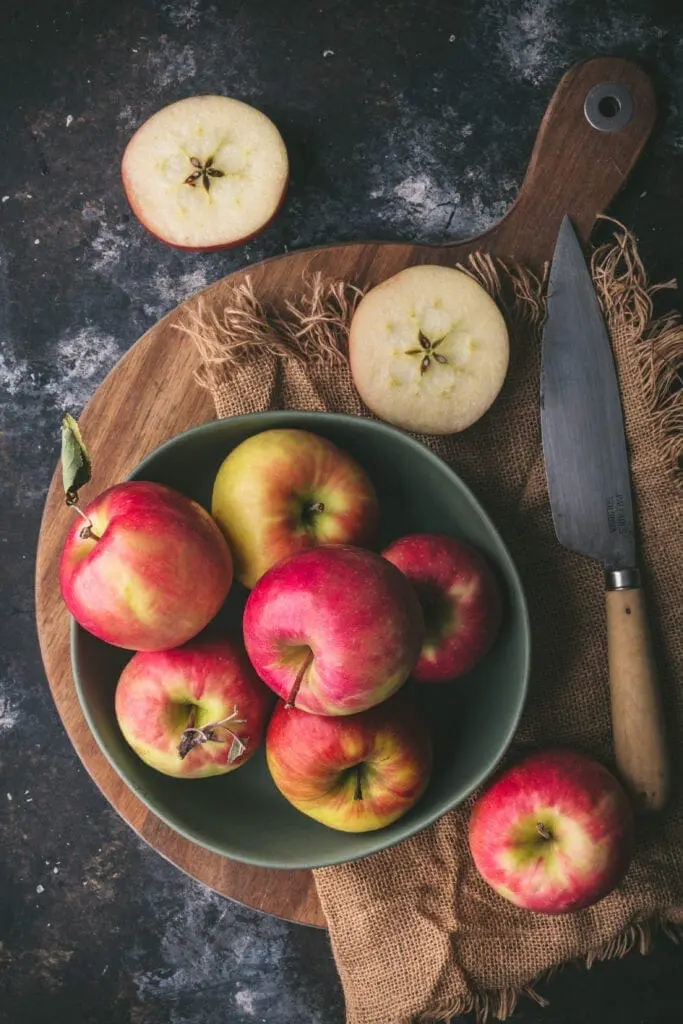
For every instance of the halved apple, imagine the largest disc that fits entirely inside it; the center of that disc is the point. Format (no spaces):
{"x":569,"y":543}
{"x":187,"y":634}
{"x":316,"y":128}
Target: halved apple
{"x":429,"y":350}
{"x":206,"y":172}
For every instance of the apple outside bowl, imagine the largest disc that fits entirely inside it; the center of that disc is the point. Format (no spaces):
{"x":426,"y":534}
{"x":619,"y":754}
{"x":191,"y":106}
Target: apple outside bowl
{"x":472,"y":720}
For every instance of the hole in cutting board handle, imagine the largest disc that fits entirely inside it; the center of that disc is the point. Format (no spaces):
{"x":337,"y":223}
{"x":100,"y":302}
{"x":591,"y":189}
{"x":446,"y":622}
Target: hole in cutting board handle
{"x":608,"y":107}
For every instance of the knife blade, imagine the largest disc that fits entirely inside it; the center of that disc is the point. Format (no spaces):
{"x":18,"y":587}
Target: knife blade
{"x":589,"y":486}
{"x":581,"y":418}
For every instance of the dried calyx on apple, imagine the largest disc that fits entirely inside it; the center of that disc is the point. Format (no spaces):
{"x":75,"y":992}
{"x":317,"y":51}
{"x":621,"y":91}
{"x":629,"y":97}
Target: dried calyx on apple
{"x":206,"y":172}
{"x":429,"y":350}
{"x":214,"y":732}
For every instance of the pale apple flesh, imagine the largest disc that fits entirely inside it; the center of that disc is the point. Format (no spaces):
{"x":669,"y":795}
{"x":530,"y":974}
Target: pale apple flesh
{"x":553,"y":834}
{"x":205,"y":172}
{"x":429,"y":350}
{"x":334,"y":630}
{"x":356,"y":774}
{"x":150,"y":572}
{"x":194,"y":711}
{"x":460,"y":599}
{"x":283,"y":491}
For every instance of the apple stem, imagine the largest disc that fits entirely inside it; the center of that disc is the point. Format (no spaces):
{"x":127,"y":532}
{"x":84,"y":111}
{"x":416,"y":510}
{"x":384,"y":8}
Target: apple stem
{"x":358,"y":794}
{"x":543,"y":831}
{"x":88,"y":531}
{"x":299,"y":679}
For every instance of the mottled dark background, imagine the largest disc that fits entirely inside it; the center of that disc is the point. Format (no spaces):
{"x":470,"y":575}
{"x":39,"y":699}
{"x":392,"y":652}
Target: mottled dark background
{"x":404,"y":119}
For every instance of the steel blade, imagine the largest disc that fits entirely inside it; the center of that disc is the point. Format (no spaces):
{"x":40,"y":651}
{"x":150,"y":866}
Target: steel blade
{"x":582,"y":422}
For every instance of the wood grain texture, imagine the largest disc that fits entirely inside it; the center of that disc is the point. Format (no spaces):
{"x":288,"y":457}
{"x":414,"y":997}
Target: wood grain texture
{"x":637,"y":721}
{"x":150,"y":396}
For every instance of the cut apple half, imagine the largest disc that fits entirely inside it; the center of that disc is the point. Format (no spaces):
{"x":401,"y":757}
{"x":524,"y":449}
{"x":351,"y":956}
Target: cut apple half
{"x":206,"y":172}
{"x":429,"y":350}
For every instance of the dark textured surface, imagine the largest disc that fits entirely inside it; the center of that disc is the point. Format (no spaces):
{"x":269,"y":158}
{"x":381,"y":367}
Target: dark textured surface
{"x":403,"y":119}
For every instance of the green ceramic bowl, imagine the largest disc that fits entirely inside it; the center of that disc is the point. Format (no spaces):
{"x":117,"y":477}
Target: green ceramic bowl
{"x":242,"y":815}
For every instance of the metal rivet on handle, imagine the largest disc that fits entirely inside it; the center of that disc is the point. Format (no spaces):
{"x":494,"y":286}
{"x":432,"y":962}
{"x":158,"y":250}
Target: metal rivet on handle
{"x":608,"y":107}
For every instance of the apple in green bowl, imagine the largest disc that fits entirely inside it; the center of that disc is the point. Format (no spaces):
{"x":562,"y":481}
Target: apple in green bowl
{"x":241,"y":814}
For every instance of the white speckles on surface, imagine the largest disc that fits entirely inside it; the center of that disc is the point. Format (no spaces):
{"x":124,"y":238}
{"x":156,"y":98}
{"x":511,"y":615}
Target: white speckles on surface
{"x":414,"y":190}
{"x":14,"y":374}
{"x":9,"y":714}
{"x":83,"y":357}
{"x":182,"y":14}
{"x":205,"y":947}
{"x":69,"y":120}
{"x":170,"y":64}
{"x":127,"y":118}
{"x":528,"y":38}
{"x":427,"y":187}
{"x":169,"y":290}
{"x":109,"y":245}
{"x":244,"y":999}
{"x":40,"y":889}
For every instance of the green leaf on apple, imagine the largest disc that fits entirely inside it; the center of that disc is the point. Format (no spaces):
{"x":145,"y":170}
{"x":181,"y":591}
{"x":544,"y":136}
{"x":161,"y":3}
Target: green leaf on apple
{"x":76,"y":465}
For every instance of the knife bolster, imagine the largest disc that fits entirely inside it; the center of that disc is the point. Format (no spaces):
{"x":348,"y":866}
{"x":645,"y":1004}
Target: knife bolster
{"x":622,"y":579}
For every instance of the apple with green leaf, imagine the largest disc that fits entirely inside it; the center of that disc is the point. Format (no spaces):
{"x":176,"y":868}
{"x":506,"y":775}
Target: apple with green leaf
{"x":144,"y":567}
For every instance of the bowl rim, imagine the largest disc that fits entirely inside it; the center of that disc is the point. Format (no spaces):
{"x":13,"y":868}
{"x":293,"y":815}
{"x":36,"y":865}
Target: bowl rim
{"x":377,"y":840}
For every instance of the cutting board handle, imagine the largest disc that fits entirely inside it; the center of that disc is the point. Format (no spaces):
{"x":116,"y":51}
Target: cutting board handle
{"x":577,"y":168}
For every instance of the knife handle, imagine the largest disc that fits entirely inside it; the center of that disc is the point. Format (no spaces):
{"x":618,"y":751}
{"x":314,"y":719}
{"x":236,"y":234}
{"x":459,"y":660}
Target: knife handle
{"x":637,"y":721}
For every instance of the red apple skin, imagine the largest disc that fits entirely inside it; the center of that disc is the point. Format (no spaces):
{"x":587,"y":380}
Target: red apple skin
{"x":156,"y":576}
{"x":312,"y":759}
{"x":350,"y":612}
{"x":157,"y":689}
{"x":460,"y":600}
{"x":585,"y":811}
{"x":265,"y":484}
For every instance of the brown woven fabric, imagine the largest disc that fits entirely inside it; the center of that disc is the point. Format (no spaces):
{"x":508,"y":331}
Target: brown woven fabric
{"x":416,"y":934}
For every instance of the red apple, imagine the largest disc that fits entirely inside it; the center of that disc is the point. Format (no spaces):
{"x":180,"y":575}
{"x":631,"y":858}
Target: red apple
{"x":460,"y":601}
{"x":150,"y":572}
{"x":194,"y":711}
{"x":554,"y":833}
{"x":206,"y":172}
{"x":356,"y":773}
{"x":283,"y":491}
{"x":333,"y":630}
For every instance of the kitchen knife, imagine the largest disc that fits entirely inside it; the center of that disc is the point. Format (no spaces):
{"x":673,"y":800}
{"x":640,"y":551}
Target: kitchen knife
{"x":589,"y":484}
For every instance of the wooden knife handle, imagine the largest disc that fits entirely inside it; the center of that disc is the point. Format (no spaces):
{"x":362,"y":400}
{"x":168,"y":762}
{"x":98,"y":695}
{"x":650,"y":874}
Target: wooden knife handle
{"x":637,"y":721}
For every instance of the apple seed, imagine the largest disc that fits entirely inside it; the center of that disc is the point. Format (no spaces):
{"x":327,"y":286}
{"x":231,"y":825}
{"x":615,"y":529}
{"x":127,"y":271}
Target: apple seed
{"x":204,"y":171}
{"x":426,"y":351}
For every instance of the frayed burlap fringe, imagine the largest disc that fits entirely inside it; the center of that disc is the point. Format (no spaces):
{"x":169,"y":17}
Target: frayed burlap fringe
{"x":313,"y":329}
{"x":499,"y":1004}
{"x":627,"y":302}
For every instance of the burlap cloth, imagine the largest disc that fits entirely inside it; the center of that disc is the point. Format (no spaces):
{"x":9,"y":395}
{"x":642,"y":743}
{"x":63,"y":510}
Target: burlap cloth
{"x":416,"y":934}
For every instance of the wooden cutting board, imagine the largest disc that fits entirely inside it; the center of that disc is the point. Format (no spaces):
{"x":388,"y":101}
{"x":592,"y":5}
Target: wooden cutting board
{"x":575,"y":168}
